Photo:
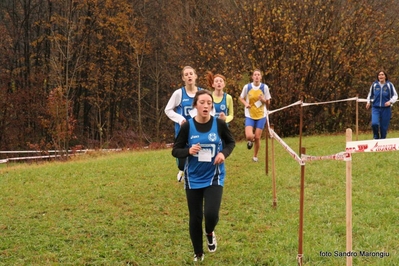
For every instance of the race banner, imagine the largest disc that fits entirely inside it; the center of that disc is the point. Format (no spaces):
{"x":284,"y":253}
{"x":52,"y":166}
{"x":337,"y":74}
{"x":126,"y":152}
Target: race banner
{"x":375,"y":145}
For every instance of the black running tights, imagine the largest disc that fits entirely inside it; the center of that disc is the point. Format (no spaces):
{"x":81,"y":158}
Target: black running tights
{"x":204,"y":202}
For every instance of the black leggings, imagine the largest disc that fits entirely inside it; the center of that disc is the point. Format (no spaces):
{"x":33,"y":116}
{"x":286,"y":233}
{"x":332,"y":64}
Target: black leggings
{"x":203,"y":202}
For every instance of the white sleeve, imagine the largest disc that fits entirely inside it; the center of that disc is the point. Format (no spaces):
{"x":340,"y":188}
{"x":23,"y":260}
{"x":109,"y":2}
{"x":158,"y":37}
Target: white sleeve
{"x":244,"y":92}
{"x":369,"y":95}
{"x":395,"y":95}
{"x":173,"y":102}
{"x":267,"y":93}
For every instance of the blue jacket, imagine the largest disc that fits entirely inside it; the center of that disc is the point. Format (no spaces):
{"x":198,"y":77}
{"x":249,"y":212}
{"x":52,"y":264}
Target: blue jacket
{"x":380,"y":95}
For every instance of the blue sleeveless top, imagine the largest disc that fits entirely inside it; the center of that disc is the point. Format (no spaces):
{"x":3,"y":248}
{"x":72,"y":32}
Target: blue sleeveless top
{"x":204,"y":174}
{"x":222,"y":106}
{"x":184,"y":108}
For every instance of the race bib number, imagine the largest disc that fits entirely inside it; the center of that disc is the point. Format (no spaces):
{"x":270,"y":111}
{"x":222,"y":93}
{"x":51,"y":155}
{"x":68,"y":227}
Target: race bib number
{"x":205,"y":155}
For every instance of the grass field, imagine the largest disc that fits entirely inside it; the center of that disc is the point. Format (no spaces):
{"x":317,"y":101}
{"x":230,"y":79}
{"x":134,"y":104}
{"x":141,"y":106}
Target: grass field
{"x":128,"y":209}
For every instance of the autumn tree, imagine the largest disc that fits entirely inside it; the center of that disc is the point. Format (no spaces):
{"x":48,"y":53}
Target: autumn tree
{"x":118,"y":62}
{"x":67,"y":43}
{"x":61,"y":130}
{"x":23,"y":72}
{"x":311,"y":50}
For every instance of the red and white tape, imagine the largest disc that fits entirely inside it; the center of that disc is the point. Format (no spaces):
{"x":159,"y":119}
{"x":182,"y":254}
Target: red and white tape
{"x":341,"y":156}
{"x":286,"y":147}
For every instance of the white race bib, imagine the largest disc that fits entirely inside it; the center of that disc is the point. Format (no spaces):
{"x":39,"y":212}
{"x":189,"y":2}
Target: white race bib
{"x":205,"y":155}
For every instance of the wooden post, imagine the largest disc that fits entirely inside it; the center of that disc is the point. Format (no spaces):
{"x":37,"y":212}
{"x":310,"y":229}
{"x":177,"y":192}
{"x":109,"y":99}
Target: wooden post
{"x":302,"y":191}
{"x":301,"y":208}
{"x":273,"y":172}
{"x":349,"y":202}
{"x":357,"y":117}
{"x":267,"y":149}
{"x":300,"y":126}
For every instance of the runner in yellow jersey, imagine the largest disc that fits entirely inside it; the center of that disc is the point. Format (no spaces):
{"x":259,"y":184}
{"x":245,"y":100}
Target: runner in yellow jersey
{"x":255,"y":97}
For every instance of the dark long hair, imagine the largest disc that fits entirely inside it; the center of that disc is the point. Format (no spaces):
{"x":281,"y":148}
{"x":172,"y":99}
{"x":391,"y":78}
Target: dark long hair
{"x":386,"y":76}
{"x":200,"y":92}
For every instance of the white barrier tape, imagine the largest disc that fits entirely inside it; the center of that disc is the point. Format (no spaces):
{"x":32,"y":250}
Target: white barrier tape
{"x":344,"y":100}
{"x":287,"y":148}
{"x":46,"y":151}
{"x":362,"y":100}
{"x":293,"y":104}
{"x":60,"y":151}
{"x":375,"y":145}
{"x":317,"y":103}
{"x":34,"y":157}
{"x":341,"y":156}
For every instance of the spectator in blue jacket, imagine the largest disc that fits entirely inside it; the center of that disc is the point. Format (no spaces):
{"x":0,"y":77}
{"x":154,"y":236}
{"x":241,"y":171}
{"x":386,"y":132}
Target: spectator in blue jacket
{"x":381,"y":97}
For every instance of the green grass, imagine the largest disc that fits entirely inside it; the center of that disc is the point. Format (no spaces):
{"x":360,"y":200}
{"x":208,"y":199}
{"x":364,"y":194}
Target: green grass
{"x":128,"y":209}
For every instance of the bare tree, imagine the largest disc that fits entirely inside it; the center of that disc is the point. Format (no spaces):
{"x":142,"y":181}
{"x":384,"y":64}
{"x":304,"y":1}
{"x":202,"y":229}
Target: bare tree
{"x":67,"y":47}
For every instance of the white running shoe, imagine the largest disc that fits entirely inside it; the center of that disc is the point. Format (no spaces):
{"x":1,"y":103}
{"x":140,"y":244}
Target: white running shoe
{"x":255,"y":159}
{"x":212,"y":244}
{"x":199,"y":257}
{"x":180,"y":176}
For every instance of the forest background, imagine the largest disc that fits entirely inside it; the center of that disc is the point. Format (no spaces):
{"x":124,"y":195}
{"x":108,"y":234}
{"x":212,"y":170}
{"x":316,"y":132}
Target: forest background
{"x":98,"y":73}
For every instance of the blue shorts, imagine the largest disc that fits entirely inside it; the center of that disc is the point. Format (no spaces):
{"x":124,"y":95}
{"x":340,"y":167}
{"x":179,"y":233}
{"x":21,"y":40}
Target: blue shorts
{"x":255,"y":123}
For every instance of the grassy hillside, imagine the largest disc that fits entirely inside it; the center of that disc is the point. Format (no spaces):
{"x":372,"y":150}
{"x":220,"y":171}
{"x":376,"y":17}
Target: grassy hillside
{"x":128,"y":209}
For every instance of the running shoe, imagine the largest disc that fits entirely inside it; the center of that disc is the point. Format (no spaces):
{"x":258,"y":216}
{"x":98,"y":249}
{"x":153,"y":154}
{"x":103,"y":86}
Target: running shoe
{"x":180,"y":176}
{"x":212,"y":244}
{"x":255,"y":159}
{"x":249,"y":145}
{"x":199,"y":257}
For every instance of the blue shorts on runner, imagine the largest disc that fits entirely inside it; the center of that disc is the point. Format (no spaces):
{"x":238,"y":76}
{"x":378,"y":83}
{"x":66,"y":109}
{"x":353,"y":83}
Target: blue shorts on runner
{"x":255,"y":123}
